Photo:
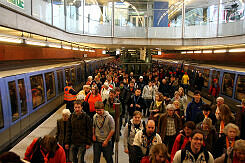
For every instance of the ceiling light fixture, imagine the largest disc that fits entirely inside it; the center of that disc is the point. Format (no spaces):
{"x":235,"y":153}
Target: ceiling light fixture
{"x":10,"y":39}
{"x":237,"y":50}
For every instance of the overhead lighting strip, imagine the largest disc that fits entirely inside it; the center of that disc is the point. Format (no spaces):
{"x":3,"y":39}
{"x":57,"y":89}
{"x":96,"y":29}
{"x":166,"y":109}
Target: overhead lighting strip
{"x":30,"y":42}
{"x":237,"y":50}
{"x":10,"y":39}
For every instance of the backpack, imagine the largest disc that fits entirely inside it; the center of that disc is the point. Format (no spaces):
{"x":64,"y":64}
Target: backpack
{"x":130,"y":124}
{"x":183,"y":155}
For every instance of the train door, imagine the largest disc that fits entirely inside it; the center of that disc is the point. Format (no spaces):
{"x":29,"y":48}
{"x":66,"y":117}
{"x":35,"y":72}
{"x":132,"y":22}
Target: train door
{"x":4,"y":115}
{"x":17,"y":104}
{"x":67,"y":75}
{"x":73,"y":76}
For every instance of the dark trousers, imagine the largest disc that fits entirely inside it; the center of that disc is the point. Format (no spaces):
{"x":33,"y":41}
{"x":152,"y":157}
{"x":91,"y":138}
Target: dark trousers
{"x":148,"y":104}
{"x":131,"y":153}
{"x":107,"y":152}
{"x":78,"y":152}
{"x":169,"y":142}
{"x":185,"y":87}
{"x":70,"y":105}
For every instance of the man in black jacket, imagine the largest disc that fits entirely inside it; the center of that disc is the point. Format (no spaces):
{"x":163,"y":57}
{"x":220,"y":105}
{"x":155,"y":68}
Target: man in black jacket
{"x":136,"y":102}
{"x":79,"y":133}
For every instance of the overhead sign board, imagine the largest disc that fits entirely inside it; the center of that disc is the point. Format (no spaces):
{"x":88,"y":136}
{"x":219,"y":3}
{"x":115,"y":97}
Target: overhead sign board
{"x":18,"y":3}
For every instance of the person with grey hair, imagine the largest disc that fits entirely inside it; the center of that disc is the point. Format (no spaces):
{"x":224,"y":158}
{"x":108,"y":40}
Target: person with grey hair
{"x":210,"y":136}
{"x":62,"y":126}
{"x":215,"y":108}
{"x":235,"y":154}
{"x":227,"y":139}
{"x":168,"y":126}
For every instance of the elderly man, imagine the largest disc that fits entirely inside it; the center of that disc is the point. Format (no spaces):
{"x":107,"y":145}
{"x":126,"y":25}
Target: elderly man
{"x":215,"y":108}
{"x":194,"y":152}
{"x":144,"y":140}
{"x":168,"y":126}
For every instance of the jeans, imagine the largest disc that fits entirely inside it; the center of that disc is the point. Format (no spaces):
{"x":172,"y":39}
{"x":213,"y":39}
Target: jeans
{"x":107,"y":152}
{"x":78,"y":152}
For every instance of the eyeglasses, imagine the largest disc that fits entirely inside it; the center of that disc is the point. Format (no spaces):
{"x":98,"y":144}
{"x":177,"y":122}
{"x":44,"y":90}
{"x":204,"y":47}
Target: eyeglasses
{"x":196,"y":139}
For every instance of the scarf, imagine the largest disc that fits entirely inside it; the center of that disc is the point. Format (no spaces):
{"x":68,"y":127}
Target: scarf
{"x":158,"y":103}
{"x":229,"y":143}
{"x":222,"y":126}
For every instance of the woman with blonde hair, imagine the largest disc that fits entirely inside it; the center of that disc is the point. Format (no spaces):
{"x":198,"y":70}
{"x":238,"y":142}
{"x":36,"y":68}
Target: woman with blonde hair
{"x":158,"y":154}
{"x":235,"y":154}
{"x":157,"y":107}
{"x":227,"y":139}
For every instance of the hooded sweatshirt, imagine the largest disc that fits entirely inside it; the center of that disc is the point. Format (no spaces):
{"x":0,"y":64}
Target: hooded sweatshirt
{"x":193,"y":109}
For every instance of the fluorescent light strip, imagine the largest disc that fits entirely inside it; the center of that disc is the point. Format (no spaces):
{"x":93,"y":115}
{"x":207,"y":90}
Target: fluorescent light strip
{"x":9,"y":39}
{"x":237,"y":50}
{"x":29,"y":42}
{"x":66,"y":47}
{"x":54,"y":45}
{"x":184,"y":52}
{"x":81,"y":49}
{"x":86,"y":50}
{"x":198,"y":52}
{"x":220,"y":51}
{"x":207,"y":51}
{"x":189,"y":52}
{"x":74,"y":48}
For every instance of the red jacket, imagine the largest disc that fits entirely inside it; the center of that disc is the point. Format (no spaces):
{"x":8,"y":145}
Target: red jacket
{"x":91,"y":101}
{"x":176,"y":145}
{"x":214,"y":91}
{"x":59,"y":157}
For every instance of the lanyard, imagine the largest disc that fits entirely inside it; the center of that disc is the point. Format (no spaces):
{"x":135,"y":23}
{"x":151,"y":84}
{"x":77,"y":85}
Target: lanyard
{"x":45,"y":156}
{"x":228,"y":143}
{"x":136,"y":101}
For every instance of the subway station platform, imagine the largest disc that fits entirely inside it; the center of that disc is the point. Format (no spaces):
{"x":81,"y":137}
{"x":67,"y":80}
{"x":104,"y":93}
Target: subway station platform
{"x":49,"y":127}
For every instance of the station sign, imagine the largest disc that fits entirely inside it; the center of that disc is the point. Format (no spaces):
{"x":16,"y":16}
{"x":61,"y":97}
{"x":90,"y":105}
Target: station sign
{"x":18,"y":3}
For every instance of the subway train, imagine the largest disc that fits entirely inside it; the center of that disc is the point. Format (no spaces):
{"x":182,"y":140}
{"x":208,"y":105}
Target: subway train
{"x":29,"y":95}
{"x":231,"y":80}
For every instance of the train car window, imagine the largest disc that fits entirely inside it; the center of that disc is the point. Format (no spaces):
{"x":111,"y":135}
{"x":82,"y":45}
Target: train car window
{"x":60,"y":81}
{"x":228,"y":82}
{"x":206,"y":77}
{"x":22,"y":94}
{"x":215,"y":75}
{"x":50,"y":85}
{"x":240,"y":87}
{"x":37,"y":90}
{"x":79,"y":74}
{"x":82,"y":72}
{"x":13,"y":100}
{"x":67,"y":74}
{"x":73,"y":75}
{"x":1,"y":113}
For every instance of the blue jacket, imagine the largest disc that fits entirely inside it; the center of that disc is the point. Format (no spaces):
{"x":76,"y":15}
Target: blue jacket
{"x":193,"y":109}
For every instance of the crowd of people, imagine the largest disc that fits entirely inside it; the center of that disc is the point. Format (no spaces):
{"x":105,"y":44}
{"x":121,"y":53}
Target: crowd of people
{"x":174,"y":130}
